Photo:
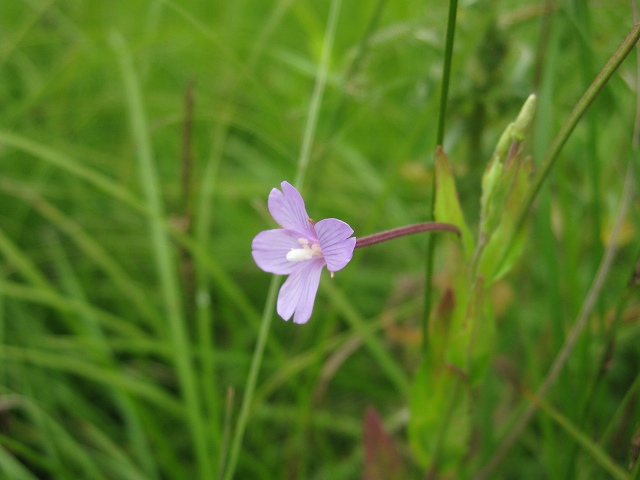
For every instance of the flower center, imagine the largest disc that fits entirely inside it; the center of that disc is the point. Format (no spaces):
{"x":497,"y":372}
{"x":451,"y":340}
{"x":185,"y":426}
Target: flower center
{"x":307,"y":252}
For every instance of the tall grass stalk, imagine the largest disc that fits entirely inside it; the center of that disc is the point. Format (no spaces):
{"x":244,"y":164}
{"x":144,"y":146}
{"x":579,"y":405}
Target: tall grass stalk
{"x":547,"y":163}
{"x":165,"y":261}
{"x":596,"y":452}
{"x":567,"y":127}
{"x":442,"y":113}
{"x":114,"y":362}
{"x":578,"y":327}
{"x":303,"y":162}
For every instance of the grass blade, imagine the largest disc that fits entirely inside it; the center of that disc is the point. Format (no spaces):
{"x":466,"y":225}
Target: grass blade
{"x":591,"y":447}
{"x":165,"y":260}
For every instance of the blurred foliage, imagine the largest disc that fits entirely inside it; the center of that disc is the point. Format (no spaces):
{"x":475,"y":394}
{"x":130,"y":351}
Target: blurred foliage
{"x":90,"y":383}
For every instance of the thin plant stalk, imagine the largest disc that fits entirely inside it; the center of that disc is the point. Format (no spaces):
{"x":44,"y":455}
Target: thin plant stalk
{"x":254,"y":369}
{"x":596,"y":452}
{"x":303,"y":162}
{"x":164,"y":258}
{"x":204,"y":221}
{"x":444,"y":94}
{"x":205,"y":207}
{"x":605,"y":265}
{"x":549,"y":159}
{"x":316,"y":97}
{"x":404,"y":231}
{"x":446,"y":69}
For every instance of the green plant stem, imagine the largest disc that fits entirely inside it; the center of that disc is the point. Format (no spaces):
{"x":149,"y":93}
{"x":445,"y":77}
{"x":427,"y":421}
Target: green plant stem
{"x":444,"y":94}
{"x":567,"y":128}
{"x":318,"y":91}
{"x":256,"y":361}
{"x":548,"y":161}
{"x":453,"y":397}
{"x":164,"y":258}
{"x":572,"y":337}
{"x":594,"y":450}
{"x":446,"y":70}
{"x":303,"y":162}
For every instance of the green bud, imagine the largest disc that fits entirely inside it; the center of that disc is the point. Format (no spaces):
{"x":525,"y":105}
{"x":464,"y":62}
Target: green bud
{"x":447,"y":206}
{"x":524,"y":120}
{"x":490,"y":179}
{"x":517,"y":130}
{"x":506,"y":139}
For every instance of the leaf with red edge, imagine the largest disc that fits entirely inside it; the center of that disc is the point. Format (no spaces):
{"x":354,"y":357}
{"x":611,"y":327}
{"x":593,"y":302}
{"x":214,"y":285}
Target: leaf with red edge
{"x":381,"y":458}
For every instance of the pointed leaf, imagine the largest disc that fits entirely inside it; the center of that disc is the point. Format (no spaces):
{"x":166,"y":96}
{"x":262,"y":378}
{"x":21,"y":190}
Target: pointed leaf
{"x":440,"y":326}
{"x":381,"y":457}
{"x":490,"y":179}
{"x":447,"y":205}
{"x":480,"y":316}
{"x":498,"y":257}
{"x":439,"y":422}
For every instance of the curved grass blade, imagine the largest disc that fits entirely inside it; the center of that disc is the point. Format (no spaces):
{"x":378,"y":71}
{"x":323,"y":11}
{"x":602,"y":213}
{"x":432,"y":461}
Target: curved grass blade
{"x":164,"y":254}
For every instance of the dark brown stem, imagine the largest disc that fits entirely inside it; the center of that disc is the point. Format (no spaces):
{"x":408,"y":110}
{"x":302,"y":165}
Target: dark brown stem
{"x":403,"y":231}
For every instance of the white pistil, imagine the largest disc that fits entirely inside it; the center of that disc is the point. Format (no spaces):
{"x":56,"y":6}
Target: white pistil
{"x":307,"y":252}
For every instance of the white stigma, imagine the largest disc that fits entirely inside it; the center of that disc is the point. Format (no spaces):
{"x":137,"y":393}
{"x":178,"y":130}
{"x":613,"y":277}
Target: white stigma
{"x":307,"y":252}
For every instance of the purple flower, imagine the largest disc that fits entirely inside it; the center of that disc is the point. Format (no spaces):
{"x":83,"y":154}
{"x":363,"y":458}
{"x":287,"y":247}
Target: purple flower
{"x":300,"y":249}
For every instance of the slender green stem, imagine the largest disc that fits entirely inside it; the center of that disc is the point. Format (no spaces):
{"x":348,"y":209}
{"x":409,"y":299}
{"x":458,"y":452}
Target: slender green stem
{"x":453,"y":397}
{"x":267,"y":316}
{"x":567,"y":128}
{"x":256,"y":361}
{"x":316,"y":97}
{"x":446,"y":70}
{"x":226,"y":432}
{"x":164,"y":258}
{"x":574,"y":117}
{"x":204,"y":308}
{"x":571,"y":339}
{"x":593,"y":449}
{"x":548,"y":161}
{"x":444,"y":94}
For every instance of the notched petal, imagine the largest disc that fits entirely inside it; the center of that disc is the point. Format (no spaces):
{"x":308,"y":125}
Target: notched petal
{"x":270,"y":248}
{"x":297,"y":295}
{"x":337,"y":247}
{"x":288,"y":210}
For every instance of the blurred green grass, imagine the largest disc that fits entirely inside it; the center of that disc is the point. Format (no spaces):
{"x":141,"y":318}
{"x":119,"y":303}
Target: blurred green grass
{"x":92,"y":377}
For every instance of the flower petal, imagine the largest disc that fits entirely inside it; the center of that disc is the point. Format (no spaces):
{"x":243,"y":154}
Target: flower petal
{"x":287,"y":208}
{"x":298,"y":293}
{"x":337,"y":247}
{"x":270,"y":250}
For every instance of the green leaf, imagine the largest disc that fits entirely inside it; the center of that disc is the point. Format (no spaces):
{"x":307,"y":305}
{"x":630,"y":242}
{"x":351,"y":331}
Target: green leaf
{"x":499,"y":174}
{"x":595,"y":451}
{"x":490,"y":180}
{"x":469,"y":341}
{"x":12,"y":468}
{"x":439,"y":423}
{"x":480,"y":317}
{"x":447,"y":206}
{"x":382,"y":459}
{"x":495,"y":201}
{"x":499,"y":256}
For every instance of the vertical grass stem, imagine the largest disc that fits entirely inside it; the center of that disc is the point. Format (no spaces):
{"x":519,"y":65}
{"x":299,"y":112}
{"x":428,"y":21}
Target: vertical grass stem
{"x":567,"y":128}
{"x":316,"y":97}
{"x":444,"y":94}
{"x":164,"y":256}
{"x":303,"y":162}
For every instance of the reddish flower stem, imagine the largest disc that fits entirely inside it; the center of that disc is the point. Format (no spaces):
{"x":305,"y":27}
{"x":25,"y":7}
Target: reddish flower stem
{"x":403,"y":231}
